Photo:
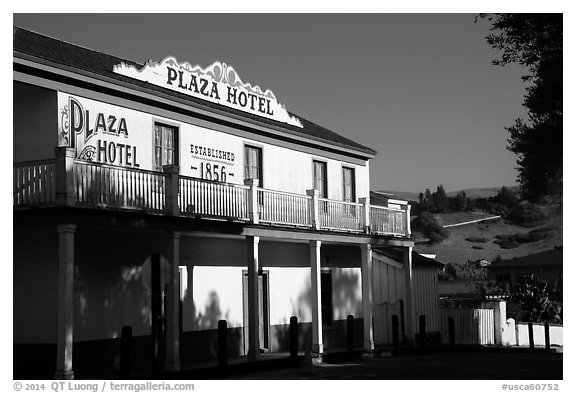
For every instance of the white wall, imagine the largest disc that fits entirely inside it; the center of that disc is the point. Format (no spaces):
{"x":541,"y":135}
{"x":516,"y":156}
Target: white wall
{"x":522,"y":337}
{"x":284,"y":169}
{"x":217,"y":294}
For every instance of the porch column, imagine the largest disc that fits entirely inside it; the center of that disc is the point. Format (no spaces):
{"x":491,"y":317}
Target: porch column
{"x":366,"y":251}
{"x":65,"y":322}
{"x":173,"y":307}
{"x":317,"y":344}
{"x":408,"y":292}
{"x":253,"y":320}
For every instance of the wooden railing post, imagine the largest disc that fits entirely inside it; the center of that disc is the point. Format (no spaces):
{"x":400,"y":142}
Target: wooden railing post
{"x":65,"y":176}
{"x":366,"y":204}
{"x":408,"y":229}
{"x":172,"y":173}
{"x":314,"y":208}
{"x":253,"y":200}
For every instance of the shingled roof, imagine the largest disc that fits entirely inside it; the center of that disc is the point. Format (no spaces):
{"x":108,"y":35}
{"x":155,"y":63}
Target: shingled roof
{"x":61,"y":53}
{"x":552,"y":257}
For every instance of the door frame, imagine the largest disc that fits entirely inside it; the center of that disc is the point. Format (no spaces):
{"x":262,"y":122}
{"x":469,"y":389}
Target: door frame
{"x":265,"y":346}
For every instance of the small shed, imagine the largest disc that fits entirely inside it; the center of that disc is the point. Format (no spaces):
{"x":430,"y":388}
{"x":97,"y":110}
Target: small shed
{"x":389,"y":291}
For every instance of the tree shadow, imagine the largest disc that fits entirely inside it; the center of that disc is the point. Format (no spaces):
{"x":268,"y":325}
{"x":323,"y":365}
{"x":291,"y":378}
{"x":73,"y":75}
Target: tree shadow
{"x":201,"y":343}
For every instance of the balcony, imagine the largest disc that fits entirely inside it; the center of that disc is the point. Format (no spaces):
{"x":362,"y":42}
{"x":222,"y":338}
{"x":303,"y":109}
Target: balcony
{"x":87,"y":184}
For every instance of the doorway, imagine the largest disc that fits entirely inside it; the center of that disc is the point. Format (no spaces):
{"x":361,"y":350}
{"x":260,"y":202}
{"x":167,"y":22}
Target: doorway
{"x":263,"y":310}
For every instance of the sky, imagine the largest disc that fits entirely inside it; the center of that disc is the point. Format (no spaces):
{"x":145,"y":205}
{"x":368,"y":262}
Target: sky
{"x":420,"y":89}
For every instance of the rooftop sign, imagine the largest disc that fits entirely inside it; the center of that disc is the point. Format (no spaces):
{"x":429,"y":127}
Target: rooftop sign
{"x":218,"y":83}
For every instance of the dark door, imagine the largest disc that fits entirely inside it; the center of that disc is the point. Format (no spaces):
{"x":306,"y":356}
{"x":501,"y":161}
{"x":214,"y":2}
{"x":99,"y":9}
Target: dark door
{"x":263,"y":310}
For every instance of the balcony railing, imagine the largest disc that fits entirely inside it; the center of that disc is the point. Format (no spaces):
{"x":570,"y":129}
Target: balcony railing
{"x":206,"y":198}
{"x":34,"y":183}
{"x":70,"y":182}
{"x":109,"y":186}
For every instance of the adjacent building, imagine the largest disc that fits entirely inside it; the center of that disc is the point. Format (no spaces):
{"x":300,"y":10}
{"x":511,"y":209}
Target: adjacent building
{"x":160,"y":198}
{"x":546,"y":266}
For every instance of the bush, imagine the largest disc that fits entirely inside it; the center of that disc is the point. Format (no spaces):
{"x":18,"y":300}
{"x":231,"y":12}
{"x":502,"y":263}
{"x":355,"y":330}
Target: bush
{"x":526,"y":214}
{"x":427,"y":224}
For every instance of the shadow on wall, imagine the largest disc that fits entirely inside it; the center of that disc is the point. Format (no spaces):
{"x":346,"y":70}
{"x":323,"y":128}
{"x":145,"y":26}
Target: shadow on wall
{"x":346,"y":300}
{"x":346,"y":293}
{"x":202,"y":342}
{"x":125,"y":302}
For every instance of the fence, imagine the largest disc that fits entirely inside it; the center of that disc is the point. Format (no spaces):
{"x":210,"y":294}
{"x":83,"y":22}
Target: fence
{"x":34,"y":183}
{"x":472,"y":326}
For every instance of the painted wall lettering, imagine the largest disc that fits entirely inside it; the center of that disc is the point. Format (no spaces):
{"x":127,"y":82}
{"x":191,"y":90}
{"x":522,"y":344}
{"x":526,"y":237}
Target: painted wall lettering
{"x":98,"y":132}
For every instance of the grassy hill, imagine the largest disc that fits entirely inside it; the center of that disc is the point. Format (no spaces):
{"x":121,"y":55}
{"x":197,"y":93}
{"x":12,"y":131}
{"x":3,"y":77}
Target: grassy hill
{"x":485,"y":192}
{"x":487,"y":240}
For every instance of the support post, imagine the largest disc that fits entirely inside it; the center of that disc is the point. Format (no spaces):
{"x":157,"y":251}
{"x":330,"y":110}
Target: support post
{"x":366,"y":204}
{"x":65,"y":322}
{"x":408,"y":291}
{"x":222,"y":343}
{"x":172,"y":173}
{"x":187,"y":297}
{"x":253,"y":317}
{"x":422,"y":331}
{"x":293,"y":337}
{"x":317,"y":343}
{"x":173,"y":308}
{"x":408,"y":229}
{"x":125,"y":352}
{"x":350,"y":335}
{"x":156,"y":309}
{"x":451,"y":332}
{"x":395,"y":335}
{"x":547,"y":335}
{"x":314,"y":208}
{"x":252,"y":200}
{"x":366,"y":255}
{"x":65,"y":176}
{"x":531,"y":335}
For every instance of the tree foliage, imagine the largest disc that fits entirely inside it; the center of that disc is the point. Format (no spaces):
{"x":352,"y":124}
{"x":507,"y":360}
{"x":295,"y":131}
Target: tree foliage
{"x":535,"y":301}
{"x":535,"y":41}
{"x":427,"y":224}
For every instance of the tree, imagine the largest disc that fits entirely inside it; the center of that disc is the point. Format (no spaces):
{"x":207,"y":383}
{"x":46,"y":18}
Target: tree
{"x":440,"y":200}
{"x":427,"y":224}
{"x":535,"y":41}
{"x":506,"y":197}
{"x":460,"y":202}
{"x":535,"y":301}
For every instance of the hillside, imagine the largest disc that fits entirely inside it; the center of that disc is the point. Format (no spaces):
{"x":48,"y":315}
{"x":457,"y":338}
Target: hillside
{"x":485,"y":192}
{"x":482,"y":240}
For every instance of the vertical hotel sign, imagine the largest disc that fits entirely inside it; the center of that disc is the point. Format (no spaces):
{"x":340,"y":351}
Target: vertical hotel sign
{"x":218,"y":83}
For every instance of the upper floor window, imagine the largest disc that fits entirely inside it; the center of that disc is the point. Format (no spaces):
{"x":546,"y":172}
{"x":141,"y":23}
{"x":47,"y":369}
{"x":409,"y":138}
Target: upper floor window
{"x":253,"y":163}
{"x":320,"y":178}
{"x":165,"y":140}
{"x":348,"y":185}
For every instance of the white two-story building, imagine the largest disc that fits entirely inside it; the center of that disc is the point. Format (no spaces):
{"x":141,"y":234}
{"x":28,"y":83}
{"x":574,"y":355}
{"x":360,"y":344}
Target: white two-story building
{"x":167,"y":196}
